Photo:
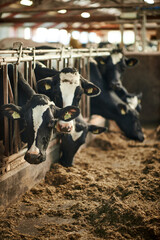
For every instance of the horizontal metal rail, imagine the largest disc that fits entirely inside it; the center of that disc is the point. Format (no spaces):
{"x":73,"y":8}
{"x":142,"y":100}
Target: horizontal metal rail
{"x":62,"y":53}
{"x":59,"y":58}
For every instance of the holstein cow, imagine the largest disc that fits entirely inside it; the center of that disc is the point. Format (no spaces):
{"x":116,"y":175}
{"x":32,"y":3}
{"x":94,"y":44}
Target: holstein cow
{"x":112,"y":68}
{"x":64,"y":88}
{"x":110,"y":106}
{"x":70,"y":143}
{"x":40,"y":116}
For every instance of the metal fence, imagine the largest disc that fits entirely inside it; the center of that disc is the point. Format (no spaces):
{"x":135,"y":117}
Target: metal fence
{"x":24,"y":60}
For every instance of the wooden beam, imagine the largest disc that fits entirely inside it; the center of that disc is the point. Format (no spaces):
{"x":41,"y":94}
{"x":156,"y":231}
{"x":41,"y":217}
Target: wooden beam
{"x":131,"y":6}
{"x":58,"y":19}
{"x":71,"y":19}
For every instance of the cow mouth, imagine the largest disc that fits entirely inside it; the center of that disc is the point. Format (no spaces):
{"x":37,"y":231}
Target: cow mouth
{"x":61,"y":129}
{"x":34,"y":158}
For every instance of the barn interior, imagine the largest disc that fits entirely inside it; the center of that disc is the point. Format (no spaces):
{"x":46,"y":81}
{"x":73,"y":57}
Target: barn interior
{"x":72,"y":32}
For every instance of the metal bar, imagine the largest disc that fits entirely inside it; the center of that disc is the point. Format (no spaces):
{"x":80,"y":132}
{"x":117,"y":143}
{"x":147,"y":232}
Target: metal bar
{"x":30,"y":74}
{"x":15,"y":134}
{"x":5,"y":100}
{"x":144,"y":32}
{"x":11,"y":97}
{"x":72,"y":8}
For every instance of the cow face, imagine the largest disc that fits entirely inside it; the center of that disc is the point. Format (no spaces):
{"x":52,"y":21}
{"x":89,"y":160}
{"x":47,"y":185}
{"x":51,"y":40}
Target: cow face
{"x":40,"y":115}
{"x":66,"y":88}
{"x":129,"y":122}
{"x":112,"y":67}
{"x":70,"y":143}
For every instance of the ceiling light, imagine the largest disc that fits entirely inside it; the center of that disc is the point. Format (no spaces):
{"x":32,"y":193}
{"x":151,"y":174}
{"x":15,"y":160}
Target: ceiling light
{"x":62,"y":11}
{"x":85,"y":15}
{"x":149,"y":1}
{"x":26,"y":2}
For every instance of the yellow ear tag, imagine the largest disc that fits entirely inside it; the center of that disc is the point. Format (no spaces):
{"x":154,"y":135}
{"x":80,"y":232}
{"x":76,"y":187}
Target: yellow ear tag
{"x":139,"y":100}
{"x":130,"y":63}
{"x":95,"y":131}
{"x":15,"y":115}
{"x":102,"y":62}
{"x":67,"y":116}
{"x":47,"y":86}
{"x":90,"y":90}
{"x":123,"y":112}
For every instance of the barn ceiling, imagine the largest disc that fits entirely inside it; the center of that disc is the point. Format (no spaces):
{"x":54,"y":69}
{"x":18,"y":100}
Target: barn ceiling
{"x":104,"y":14}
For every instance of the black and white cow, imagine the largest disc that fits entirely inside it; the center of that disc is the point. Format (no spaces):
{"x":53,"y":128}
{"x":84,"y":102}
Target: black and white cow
{"x":110,"y":106}
{"x":112,"y":68}
{"x":70,"y":143}
{"x":64,"y":88}
{"x":40,"y":115}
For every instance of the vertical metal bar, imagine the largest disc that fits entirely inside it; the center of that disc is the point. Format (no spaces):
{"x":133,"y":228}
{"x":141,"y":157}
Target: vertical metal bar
{"x":5,"y":100}
{"x":135,"y":35}
{"x":50,"y":63}
{"x":122,"y":30}
{"x":58,"y":64}
{"x":144,"y":32}
{"x":30,"y":74}
{"x":26,"y":70}
{"x":88,"y":77}
{"x":15,"y":79}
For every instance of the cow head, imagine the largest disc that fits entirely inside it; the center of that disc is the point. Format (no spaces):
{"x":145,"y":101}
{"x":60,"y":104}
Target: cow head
{"x":129,"y":123}
{"x":112,"y":67}
{"x":40,"y":115}
{"x":66,"y":88}
{"x":70,"y":143}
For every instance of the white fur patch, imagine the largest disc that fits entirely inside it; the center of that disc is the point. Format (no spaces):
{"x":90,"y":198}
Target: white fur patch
{"x":132,"y":102}
{"x":75,"y":135}
{"x":116,"y":57}
{"x":37,"y":114}
{"x":68,"y":84}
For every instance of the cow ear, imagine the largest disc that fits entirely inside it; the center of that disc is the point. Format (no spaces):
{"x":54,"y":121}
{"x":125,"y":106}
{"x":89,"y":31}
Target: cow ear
{"x":96,"y":129}
{"x":11,"y":111}
{"x":68,"y":113}
{"x":131,"y":62}
{"x":122,"y":108}
{"x":89,"y":88}
{"x":44,"y":85}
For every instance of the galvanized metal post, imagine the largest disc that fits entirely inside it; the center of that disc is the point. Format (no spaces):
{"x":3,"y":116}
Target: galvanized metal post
{"x":144,"y":20}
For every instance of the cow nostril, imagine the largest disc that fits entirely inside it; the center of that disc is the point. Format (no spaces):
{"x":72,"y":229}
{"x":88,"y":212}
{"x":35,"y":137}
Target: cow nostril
{"x":34,"y":158}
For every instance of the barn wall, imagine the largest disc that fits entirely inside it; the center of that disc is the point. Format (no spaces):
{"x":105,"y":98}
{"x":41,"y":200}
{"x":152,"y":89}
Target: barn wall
{"x":145,"y":78}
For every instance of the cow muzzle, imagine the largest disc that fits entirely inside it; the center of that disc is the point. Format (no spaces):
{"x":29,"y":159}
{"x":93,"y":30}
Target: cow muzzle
{"x":64,"y":128}
{"x":34,"y":158}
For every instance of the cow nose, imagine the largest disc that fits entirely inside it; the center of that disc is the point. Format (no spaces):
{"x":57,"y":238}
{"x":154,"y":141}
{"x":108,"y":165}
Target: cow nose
{"x":64,"y":128}
{"x":141,"y":137}
{"x":33,"y":158}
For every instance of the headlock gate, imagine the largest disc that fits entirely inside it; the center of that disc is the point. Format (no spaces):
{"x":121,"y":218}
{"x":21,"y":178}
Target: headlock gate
{"x":24,"y":60}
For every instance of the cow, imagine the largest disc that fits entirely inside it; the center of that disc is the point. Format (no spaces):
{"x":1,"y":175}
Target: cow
{"x":112,"y":68}
{"x":110,"y":106}
{"x":70,"y":143}
{"x":65,"y":88}
{"x":40,"y":115}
